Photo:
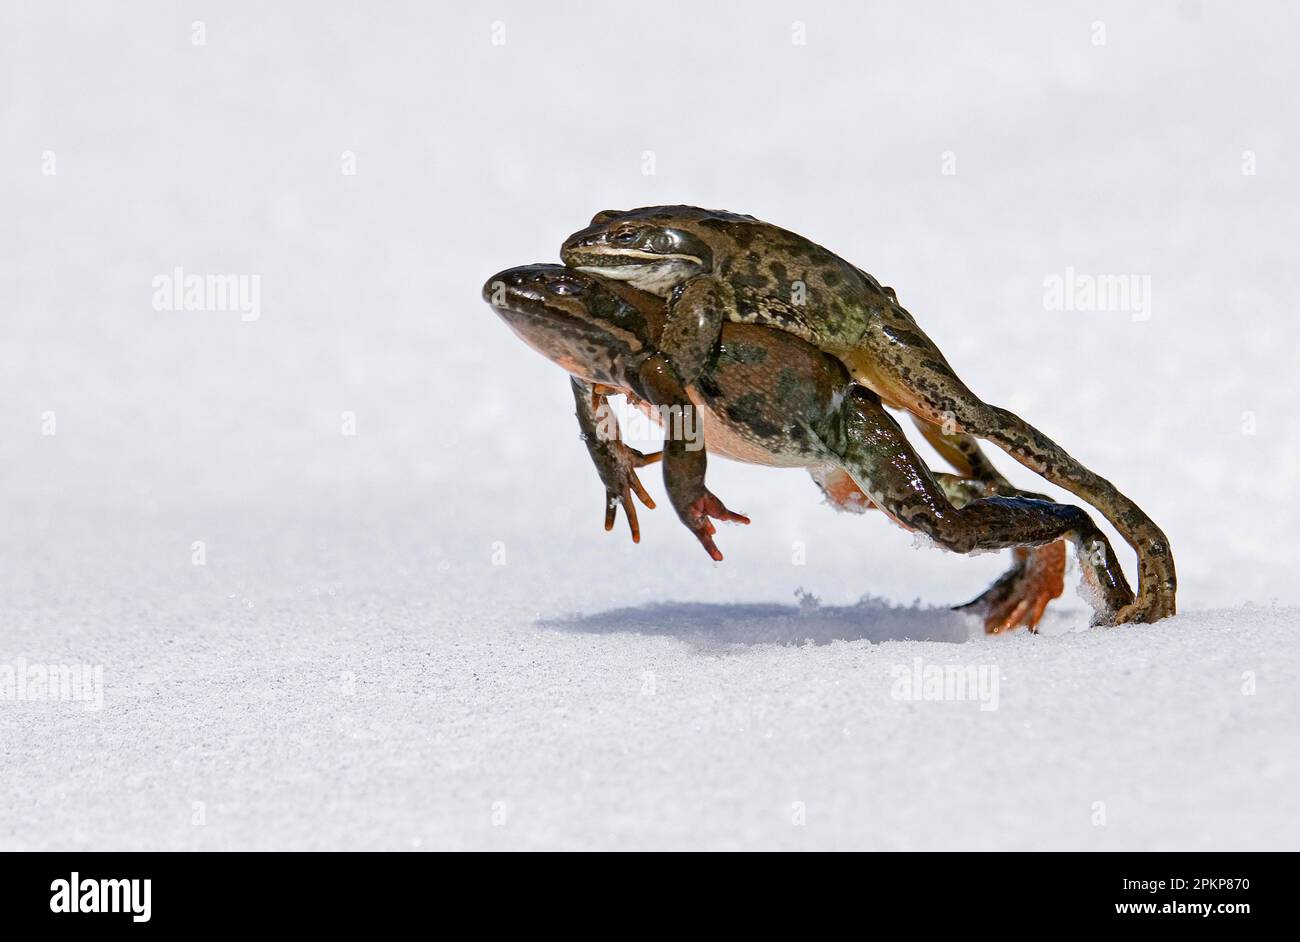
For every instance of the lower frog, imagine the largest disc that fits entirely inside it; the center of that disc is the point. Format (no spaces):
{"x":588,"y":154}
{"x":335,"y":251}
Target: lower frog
{"x":765,"y":396}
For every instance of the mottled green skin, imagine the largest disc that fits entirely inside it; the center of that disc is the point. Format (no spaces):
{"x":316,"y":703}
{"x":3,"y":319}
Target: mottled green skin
{"x":778,"y":400}
{"x":759,"y":273}
{"x":714,"y":266}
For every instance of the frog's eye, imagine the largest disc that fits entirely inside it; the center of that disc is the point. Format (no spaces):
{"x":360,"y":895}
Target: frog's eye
{"x":625,"y":236}
{"x":565,"y":286}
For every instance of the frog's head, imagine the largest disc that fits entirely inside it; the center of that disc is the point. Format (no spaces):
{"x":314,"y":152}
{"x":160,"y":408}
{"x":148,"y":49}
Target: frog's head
{"x":591,"y":328}
{"x":653,"y":249}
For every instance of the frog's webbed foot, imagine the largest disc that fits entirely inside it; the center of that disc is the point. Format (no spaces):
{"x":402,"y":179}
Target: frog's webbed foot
{"x":1020,"y":596}
{"x":696,"y":517}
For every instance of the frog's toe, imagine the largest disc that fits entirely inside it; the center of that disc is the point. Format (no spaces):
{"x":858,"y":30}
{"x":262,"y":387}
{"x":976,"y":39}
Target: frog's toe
{"x":631,"y":485}
{"x":629,"y":509}
{"x":1021,"y":595}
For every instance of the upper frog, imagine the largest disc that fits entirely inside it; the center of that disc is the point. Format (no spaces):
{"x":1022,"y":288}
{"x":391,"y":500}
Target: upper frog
{"x":771,"y":276}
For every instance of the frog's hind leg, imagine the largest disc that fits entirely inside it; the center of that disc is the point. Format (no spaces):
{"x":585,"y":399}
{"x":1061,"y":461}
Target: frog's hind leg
{"x":1020,"y":595}
{"x":900,"y":363}
{"x":1037,"y":574}
{"x":883,"y":464}
{"x":960,"y":450}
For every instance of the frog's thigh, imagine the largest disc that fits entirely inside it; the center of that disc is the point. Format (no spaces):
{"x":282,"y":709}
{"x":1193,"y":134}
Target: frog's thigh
{"x":905,"y":368}
{"x":843,"y":493}
{"x":885,"y":466}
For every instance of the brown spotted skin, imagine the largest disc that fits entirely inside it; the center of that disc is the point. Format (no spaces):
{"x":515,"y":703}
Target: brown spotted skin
{"x":771,"y":398}
{"x":713,"y":265}
{"x":600,"y":338}
{"x":756,"y":272}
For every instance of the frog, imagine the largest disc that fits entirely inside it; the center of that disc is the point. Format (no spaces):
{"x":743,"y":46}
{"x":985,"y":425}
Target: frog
{"x":768,"y":397}
{"x":715,"y":266}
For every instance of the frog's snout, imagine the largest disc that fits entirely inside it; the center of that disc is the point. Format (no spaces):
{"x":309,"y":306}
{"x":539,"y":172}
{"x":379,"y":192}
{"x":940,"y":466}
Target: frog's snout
{"x":524,"y":283}
{"x":502,"y":280}
{"x":584,"y":239}
{"x":534,"y":283}
{"x":577,"y":246}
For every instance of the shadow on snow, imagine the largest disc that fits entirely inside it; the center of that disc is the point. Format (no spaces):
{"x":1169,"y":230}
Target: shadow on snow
{"x":712,"y":624}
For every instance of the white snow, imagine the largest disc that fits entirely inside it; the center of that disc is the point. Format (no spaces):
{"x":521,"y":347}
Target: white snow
{"x":417,"y":636}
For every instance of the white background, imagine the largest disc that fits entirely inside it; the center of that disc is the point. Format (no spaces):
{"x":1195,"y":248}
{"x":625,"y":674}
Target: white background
{"x":350,"y":669}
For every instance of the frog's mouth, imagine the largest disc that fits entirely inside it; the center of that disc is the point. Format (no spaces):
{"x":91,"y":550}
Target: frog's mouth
{"x":657,"y":274}
{"x":532,"y":309}
{"x":526,"y":307}
{"x":588,"y":350}
{"x":594,"y":255}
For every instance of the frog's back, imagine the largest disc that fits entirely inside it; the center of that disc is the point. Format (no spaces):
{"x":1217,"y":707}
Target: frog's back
{"x":783,"y":280}
{"x":786,"y":281}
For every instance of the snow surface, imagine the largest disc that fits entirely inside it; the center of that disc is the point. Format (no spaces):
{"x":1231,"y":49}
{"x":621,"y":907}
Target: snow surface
{"x":418,"y":637}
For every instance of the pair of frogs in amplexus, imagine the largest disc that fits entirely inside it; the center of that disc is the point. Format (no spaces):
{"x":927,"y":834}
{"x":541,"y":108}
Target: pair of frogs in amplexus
{"x":791,"y":355}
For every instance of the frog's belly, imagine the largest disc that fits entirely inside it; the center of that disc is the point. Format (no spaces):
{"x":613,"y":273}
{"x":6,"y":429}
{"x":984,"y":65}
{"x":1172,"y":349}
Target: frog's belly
{"x":723,"y":437}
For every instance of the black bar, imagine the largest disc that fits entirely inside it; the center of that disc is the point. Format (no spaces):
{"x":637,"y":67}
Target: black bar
{"x":1031,"y":891}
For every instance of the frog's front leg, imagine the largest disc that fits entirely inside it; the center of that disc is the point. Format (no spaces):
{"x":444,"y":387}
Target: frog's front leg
{"x":900,"y":363}
{"x":615,"y":462}
{"x":697,"y":309}
{"x":684,"y":455}
{"x":882,"y":462}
